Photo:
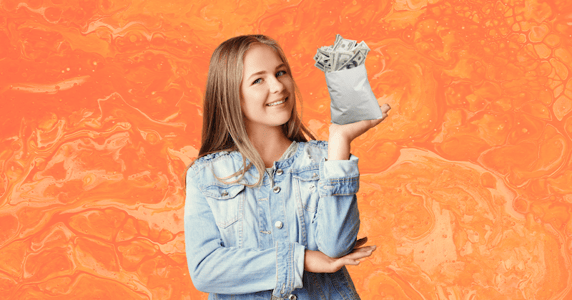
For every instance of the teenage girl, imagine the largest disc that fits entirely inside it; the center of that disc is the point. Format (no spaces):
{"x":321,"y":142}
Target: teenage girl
{"x":269,"y":214}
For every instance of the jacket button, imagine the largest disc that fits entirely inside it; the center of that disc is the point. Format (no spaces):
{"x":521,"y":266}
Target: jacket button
{"x":278,"y":224}
{"x":292,"y":297}
{"x":276,"y":189}
{"x":224,"y":194}
{"x":279,"y":172}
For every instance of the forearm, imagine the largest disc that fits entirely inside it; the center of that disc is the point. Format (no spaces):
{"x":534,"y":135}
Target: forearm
{"x":341,"y":136}
{"x":338,"y":226}
{"x":338,"y":147}
{"x":218,"y":269}
{"x":338,"y":216}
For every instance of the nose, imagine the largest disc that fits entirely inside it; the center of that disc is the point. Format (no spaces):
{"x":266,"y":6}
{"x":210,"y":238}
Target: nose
{"x":276,"y":86}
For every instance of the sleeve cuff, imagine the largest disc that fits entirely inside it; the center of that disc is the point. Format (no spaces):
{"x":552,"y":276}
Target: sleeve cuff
{"x":339,"y":177}
{"x":299,"y":256}
{"x":289,"y":268}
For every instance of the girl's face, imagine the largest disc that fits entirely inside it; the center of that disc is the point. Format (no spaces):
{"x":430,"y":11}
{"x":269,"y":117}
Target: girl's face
{"x":265,"y":81}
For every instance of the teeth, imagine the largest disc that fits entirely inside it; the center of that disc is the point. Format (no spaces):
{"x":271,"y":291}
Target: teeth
{"x":276,"y":103}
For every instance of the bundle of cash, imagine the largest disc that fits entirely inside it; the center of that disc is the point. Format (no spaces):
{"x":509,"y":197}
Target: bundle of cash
{"x":344,"y":54}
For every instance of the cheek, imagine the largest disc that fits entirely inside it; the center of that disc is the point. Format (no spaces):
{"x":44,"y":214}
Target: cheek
{"x":249,"y":108}
{"x":291,"y":87}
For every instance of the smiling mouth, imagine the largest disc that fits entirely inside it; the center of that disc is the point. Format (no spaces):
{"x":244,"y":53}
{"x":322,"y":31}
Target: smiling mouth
{"x":277,"y":102}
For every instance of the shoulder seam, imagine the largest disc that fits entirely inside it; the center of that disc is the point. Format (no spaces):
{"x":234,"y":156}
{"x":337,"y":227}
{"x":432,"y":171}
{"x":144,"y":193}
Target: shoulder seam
{"x":204,"y":161}
{"x":319,"y":144}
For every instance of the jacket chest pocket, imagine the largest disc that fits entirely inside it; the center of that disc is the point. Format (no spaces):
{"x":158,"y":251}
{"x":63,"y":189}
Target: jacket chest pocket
{"x":226,"y":202}
{"x":307,"y":189}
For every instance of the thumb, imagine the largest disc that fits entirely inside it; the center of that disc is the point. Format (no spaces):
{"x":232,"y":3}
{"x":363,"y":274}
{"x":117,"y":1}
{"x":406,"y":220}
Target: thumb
{"x":385,"y":108}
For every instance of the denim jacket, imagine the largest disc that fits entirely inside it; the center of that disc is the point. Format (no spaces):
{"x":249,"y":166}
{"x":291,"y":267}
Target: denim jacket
{"x":249,"y":243}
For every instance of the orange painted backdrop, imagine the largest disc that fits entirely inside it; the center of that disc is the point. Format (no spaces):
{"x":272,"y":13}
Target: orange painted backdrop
{"x":466,"y":187}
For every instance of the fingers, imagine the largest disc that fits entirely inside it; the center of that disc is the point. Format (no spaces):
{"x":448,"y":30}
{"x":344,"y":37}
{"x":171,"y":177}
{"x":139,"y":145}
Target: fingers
{"x":363,"y":253}
{"x":351,"y":262}
{"x":365,"y":249}
{"x":385,"y":108}
{"x":354,"y":257}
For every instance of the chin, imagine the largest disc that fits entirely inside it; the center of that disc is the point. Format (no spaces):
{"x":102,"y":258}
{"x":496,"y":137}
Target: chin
{"x":280,"y":123}
{"x":285,"y":120}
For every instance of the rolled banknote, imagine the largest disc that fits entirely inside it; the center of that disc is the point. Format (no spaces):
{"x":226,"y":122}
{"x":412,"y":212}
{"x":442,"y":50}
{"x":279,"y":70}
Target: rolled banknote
{"x":344,"y":54}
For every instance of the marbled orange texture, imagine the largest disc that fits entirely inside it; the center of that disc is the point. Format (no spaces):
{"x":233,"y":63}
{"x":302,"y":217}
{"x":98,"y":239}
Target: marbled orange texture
{"x":466,"y":187}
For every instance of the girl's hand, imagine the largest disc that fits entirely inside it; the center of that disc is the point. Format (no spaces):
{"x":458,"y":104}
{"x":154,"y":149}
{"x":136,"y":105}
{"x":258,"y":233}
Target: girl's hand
{"x":318,"y":262}
{"x":349,"y":132}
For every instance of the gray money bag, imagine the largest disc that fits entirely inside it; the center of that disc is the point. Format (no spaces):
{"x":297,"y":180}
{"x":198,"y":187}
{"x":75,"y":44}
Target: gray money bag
{"x":352,"y":99}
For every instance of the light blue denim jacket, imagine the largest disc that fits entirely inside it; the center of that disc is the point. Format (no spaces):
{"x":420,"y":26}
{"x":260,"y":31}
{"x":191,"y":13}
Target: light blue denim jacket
{"x":249,"y":243}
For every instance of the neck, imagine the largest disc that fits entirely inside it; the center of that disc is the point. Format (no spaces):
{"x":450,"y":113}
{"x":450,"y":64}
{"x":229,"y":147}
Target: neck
{"x":270,"y":142}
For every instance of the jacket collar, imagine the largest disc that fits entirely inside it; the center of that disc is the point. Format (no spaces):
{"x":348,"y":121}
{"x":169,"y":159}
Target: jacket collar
{"x":283,"y":164}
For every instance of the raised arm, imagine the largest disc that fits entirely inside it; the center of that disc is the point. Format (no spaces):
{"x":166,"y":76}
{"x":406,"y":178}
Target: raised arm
{"x":338,"y":216}
{"x":228,"y":270}
{"x":341,"y":136}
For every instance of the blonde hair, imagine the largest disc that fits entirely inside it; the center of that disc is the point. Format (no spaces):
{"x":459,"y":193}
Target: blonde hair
{"x":223,"y":123}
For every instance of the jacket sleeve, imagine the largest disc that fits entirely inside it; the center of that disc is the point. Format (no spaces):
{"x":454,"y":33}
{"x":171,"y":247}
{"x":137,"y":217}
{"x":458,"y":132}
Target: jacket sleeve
{"x":230,"y":270}
{"x":338,"y":215}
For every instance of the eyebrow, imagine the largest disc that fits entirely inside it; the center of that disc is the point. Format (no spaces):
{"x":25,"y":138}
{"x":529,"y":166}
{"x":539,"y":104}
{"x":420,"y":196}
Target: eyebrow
{"x":262,"y":72}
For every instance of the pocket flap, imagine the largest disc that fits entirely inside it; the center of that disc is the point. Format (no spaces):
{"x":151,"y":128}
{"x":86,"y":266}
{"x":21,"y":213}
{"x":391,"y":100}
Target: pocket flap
{"x":222,"y":192}
{"x":307,"y":175}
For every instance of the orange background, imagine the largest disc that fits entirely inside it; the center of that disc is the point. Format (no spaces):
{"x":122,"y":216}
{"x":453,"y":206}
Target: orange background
{"x":466,"y":187}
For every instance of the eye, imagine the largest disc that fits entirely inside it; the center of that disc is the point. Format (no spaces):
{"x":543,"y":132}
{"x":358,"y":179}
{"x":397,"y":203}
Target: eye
{"x":280,"y":73}
{"x":259,"y":80}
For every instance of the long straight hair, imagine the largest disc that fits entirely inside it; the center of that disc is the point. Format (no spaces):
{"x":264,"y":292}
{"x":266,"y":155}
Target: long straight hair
{"x":223,"y":123}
